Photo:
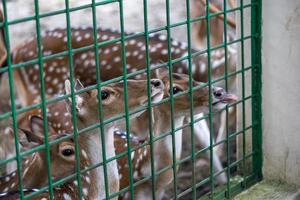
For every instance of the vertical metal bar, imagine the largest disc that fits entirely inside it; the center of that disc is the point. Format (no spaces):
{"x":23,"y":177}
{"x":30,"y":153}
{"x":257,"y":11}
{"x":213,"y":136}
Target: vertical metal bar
{"x":228,"y":193}
{"x":243,"y":90}
{"x":226,"y":87}
{"x":43,"y":97}
{"x":12,"y":100}
{"x":188,"y":11}
{"x":153,"y":177}
{"x":256,"y":23}
{"x":98,"y":79}
{"x":171,"y":97}
{"x":211,"y":128}
{"x":74,"y":116}
{"x":126,"y":96}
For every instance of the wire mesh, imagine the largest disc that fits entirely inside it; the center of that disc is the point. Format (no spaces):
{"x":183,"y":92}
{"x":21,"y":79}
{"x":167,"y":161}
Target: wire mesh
{"x":227,"y":190}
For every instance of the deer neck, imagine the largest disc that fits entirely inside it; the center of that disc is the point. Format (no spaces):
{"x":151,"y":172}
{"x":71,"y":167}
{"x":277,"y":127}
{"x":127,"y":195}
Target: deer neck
{"x":163,"y":124}
{"x":92,"y":144}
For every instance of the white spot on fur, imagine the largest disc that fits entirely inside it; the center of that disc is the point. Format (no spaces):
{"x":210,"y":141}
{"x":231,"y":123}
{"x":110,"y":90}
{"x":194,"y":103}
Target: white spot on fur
{"x":135,"y":175}
{"x":85,"y":191}
{"x":84,"y":154}
{"x":79,"y":38}
{"x":66,"y":196}
{"x":117,"y":59}
{"x":132,"y":155}
{"x":162,"y":37}
{"x":202,"y":68}
{"x":164,"y":51}
{"x":87,"y":179}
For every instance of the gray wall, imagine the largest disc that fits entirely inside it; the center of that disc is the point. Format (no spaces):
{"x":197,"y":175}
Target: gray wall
{"x":281,"y":90}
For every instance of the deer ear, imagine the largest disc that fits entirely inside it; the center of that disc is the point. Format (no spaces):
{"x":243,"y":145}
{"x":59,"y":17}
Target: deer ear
{"x":25,"y":139}
{"x":3,"y":51}
{"x":67,"y":86}
{"x":161,"y":72}
{"x":78,"y":85}
{"x":37,"y":130}
{"x":78,"y":98}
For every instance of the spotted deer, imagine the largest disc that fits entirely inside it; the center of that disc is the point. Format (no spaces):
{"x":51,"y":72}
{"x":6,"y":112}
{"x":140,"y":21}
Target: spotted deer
{"x":199,"y":32}
{"x":87,"y":114}
{"x":217,"y":37}
{"x":57,"y":70}
{"x":34,"y":170}
{"x":163,"y":151}
{"x":3,"y":51}
{"x":110,"y":57}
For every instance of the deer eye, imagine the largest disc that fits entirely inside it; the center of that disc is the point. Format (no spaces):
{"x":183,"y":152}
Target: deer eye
{"x":176,"y":90}
{"x":104,"y":94}
{"x":68,"y":152}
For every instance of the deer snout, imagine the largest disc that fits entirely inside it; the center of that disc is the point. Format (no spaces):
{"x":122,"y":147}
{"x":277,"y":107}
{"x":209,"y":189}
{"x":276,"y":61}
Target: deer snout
{"x":157,"y":88}
{"x":218,"y":92}
{"x":156,"y":83}
{"x":220,"y":95}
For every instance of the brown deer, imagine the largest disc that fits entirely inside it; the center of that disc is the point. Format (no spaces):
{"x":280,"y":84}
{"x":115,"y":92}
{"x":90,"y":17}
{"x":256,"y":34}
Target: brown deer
{"x":216,"y":23}
{"x":87,"y":113}
{"x":163,"y":154}
{"x":217,"y":37}
{"x":57,"y":70}
{"x":3,"y":52}
{"x":34,"y":170}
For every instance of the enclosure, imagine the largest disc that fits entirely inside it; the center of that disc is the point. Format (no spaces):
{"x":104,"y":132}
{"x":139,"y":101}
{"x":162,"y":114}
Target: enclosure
{"x":130,"y":99}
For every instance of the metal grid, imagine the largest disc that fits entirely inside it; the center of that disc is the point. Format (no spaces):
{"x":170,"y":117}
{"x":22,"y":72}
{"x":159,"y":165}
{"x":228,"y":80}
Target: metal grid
{"x":225,"y":192}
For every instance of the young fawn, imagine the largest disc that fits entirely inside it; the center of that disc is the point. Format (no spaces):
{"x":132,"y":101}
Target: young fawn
{"x":216,"y":23}
{"x":57,"y":69}
{"x":163,"y":148}
{"x":34,"y":167}
{"x":87,"y":114}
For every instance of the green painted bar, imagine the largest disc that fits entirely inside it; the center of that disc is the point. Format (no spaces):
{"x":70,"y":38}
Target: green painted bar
{"x":256,"y":23}
{"x":74,"y":116}
{"x":43,"y":97}
{"x":148,"y":71}
{"x":12,"y":100}
{"x":170,"y":67}
{"x":190,"y":65}
{"x":228,"y":190}
{"x":211,"y":129}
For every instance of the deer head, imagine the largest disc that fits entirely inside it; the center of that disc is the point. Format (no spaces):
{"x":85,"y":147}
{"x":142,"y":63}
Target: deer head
{"x":34,"y":168}
{"x":112,"y":97}
{"x":141,"y":157}
{"x":200,"y":95}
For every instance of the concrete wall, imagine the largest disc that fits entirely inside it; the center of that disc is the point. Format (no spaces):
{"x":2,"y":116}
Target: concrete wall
{"x":281,"y":90}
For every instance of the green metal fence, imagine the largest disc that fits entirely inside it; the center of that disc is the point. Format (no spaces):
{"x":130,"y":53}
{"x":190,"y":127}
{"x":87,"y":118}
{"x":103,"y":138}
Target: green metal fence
{"x":226,"y":191}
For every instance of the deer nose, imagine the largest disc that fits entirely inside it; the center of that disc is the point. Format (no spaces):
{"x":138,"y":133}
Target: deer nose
{"x":156,"y":83}
{"x":219,"y":92}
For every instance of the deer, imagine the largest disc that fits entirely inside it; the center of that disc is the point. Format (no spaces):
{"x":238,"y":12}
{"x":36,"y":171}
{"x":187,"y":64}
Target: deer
{"x":217,"y":37}
{"x":163,"y":154}
{"x":57,"y":70}
{"x":113,"y":104}
{"x":3,"y":51}
{"x":34,"y":170}
{"x":199,"y":32}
